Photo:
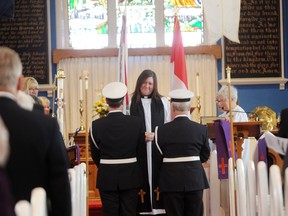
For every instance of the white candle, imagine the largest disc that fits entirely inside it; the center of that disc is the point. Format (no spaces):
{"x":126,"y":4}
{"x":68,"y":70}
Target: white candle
{"x":197,"y":85}
{"x":81,"y":89}
{"x":60,"y":87}
{"x":228,"y":75}
{"x":86,"y":84}
{"x":86,"y":79}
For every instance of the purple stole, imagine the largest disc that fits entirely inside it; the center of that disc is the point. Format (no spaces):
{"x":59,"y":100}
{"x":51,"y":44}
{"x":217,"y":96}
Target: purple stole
{"x":223,"y":137}
{"x":262,"y":150}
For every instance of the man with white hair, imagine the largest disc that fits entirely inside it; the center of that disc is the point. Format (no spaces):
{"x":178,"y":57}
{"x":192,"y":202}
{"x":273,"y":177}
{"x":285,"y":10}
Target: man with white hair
{"x":184,"y":146}
{"x":38,"y":157}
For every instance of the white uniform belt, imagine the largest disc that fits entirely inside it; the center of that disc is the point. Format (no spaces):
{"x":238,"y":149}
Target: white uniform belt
{"x":181,"y":159}
{"x":118,"y":161}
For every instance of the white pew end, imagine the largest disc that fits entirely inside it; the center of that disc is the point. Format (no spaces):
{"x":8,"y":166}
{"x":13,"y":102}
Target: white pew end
{"x":80,"y":189}
{"x":22,"y":208}
{"x":262,"y":189}
{"x":251,"y":188}
{"x":241,"y":189}
{"x":72,"y":178}
{"x":231,"y":177}
{"x":215,"y":208}
{"x":83,"y":190}
{"x":276,"y":195}
{"x":39,"y":202}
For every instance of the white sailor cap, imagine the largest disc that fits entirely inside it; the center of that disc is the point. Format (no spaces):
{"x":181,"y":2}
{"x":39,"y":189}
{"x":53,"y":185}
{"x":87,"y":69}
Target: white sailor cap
{"x":114,"y":90}
{"x":180,"y":95}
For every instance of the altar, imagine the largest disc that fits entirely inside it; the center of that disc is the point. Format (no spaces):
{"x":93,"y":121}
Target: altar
{"x":244,"y":130}
{"x":93,"y":192}
{"x":241,"y":131}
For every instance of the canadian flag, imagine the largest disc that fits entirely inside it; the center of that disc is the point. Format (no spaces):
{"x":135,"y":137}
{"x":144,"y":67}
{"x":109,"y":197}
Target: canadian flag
{"x":123,"y":60}
{"x":178,"y":61}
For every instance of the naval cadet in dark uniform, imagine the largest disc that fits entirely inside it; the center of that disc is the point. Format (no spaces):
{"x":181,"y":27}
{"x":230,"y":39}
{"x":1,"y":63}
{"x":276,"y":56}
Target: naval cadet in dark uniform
{"x":118,"y":148}
{"x":184,"y":147}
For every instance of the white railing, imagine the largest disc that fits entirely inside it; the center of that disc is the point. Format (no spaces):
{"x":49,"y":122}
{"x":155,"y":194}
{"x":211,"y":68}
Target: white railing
{"x":250,"y":194}
{"x":78,"y":183}
{"x":37,"y":205}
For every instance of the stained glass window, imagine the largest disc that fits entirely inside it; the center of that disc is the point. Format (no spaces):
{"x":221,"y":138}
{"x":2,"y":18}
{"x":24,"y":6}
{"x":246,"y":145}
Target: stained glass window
{"x":190,"y":14}
{"x":88,"y":27}
{"x":88,"y":22}
{"x":140,"y":23}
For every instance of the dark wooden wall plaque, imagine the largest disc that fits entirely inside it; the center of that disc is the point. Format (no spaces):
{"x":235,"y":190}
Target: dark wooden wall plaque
{"x":259,"y":53}
{"x":27,"y":33}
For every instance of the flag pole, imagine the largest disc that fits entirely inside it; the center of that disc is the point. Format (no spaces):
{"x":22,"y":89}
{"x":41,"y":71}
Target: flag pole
{"x":198,"y":99}
{"x":123,"y":58}
{"x":86,"y":143}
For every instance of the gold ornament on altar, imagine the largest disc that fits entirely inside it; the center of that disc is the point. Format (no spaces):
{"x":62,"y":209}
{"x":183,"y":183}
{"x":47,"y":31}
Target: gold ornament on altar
{"x":267,"y":116}
{"x":101,"y":108}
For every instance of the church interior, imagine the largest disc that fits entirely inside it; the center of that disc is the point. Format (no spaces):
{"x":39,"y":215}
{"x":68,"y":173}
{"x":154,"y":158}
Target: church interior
{"x":257,"y":65}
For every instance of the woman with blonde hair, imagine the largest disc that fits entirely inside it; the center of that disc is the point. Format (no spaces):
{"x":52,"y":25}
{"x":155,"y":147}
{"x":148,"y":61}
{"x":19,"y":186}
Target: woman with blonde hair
{"x":46,"y":104}
{"x":31,"y":87}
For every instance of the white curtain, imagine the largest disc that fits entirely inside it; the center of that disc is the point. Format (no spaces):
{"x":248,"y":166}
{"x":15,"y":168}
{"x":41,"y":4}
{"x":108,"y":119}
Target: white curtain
{"x":103,"y":70}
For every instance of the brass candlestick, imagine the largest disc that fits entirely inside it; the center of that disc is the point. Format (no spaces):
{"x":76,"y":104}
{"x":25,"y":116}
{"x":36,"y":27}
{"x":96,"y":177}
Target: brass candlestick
{"x":81,"y":110}
{"x":198,"y":108}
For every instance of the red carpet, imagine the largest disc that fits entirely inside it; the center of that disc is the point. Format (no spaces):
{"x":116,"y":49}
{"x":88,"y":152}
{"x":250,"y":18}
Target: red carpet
{"x":95,"y":208}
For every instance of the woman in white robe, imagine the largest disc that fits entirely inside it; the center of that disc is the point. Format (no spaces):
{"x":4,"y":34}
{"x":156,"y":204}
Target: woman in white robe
{"x":154,"y":110}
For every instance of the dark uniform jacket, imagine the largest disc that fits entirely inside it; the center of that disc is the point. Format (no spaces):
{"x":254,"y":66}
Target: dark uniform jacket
{"x":38,"y":156}
{"x":118,"y":136}
{"x":183,"y":138}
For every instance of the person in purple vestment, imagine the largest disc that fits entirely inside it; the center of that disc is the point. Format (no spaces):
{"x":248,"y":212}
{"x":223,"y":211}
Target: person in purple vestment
{"x":238,"y":115}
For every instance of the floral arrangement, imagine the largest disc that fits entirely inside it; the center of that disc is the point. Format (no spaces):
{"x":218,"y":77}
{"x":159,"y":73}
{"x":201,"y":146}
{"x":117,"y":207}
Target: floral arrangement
{"x":101,"y":107}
